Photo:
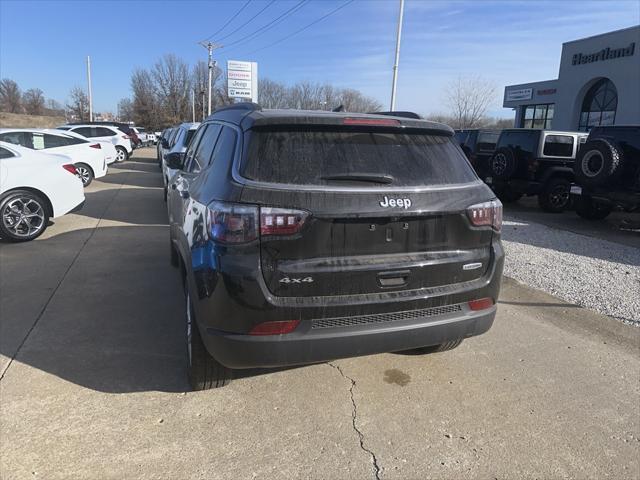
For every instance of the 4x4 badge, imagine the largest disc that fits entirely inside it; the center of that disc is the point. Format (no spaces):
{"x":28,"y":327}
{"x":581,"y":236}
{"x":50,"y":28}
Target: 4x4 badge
{"x":296,"y":280}
{"x":395,"y":202}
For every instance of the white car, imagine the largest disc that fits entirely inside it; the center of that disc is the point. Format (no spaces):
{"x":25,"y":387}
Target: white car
{"x":108,"y":148}
{"x":34,"y":187}
{"x":146,"y":139}
{"x":87,"y":156}
{"x":104,"y":133}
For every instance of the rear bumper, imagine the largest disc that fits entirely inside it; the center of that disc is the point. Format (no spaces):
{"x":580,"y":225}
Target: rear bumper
{"x":308,"y":345}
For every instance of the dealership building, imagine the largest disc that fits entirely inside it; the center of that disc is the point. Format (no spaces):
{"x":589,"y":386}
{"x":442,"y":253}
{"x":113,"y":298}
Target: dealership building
{"x":598,"y":84}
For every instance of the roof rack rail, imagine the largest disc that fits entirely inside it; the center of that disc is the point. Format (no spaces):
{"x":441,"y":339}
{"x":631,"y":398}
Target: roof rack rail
{"x":399,"y":114}
{"x":248,"y":106}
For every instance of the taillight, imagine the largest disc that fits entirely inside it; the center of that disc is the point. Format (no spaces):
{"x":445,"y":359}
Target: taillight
{"x":237,"y":223}
{"x":487,"y":214}
{"x":127,"y":137}
{"x":96,"y":145}
{"x":232,"y":223}
{"x":481,"y":304}
{"x":280,"y":221}
{"x":274,"y":328}
{"x":70,"y":168}
{"x":380,"y":122}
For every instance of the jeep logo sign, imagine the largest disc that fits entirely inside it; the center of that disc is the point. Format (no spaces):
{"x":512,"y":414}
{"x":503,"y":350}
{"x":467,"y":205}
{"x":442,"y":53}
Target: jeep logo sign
{"x":395,"y":202}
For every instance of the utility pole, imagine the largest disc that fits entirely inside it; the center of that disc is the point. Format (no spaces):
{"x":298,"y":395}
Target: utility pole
{"x":210,"y":64}
{"x":203,"y":104}
{"x":193,"y":105}
{"x":89,"y":84}
{"x":395,"y":65}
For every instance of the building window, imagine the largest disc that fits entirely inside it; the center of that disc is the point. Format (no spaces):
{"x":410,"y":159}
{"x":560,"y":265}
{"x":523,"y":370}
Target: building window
{"x":599,"y":105}
{"x":537,"y":116}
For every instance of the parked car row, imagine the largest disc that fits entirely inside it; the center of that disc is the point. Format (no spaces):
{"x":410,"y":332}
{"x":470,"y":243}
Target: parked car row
{"x":173,"y":140}
{"x":548,"y":164}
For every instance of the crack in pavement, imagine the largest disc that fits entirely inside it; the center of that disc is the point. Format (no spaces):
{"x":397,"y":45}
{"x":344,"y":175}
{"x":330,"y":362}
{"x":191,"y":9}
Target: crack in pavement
{"x":354,"y":416}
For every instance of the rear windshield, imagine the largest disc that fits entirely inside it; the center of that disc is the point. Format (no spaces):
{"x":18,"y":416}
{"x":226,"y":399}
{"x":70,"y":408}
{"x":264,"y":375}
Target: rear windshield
{"x":357,"y":158}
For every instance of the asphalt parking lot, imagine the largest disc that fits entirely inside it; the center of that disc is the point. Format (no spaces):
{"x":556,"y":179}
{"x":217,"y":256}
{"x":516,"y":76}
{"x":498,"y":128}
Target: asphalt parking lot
{"x":92,"y":363}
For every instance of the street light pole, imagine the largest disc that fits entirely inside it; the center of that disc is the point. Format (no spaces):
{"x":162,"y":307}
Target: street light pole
{"x":89,"y":88}
{"x":395,"y":65}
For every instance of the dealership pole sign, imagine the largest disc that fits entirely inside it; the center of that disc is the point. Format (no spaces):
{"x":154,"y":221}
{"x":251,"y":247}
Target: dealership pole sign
{"x":242,"y":80}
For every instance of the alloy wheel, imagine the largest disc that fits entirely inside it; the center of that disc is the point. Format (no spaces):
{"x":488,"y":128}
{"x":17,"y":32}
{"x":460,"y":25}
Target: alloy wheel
{"x":84,"y":174}
{"x":23,"y":217}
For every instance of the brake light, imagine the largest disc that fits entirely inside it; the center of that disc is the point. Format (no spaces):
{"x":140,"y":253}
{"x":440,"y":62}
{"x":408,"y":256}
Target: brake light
{"x":275,"y":328}
{"x":127,"y":137}
{"x":280,"y":221}
{"x":481,"y":304}
{"x":236,"y":223}
{"x":379,"y":122}
{"x":70,"y":168}
{"x":487,"y":214}
{"x":96,"y":145}
{"x":231,"y":223}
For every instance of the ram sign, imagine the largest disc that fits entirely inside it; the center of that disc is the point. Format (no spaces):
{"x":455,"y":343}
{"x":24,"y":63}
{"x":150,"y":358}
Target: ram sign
{"x":242,"y":80}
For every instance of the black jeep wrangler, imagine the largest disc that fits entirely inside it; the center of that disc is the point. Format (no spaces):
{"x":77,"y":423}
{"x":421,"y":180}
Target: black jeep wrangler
{"x":607,"y":172}
{"x":478,"y":145}
{"x":534,"y":162}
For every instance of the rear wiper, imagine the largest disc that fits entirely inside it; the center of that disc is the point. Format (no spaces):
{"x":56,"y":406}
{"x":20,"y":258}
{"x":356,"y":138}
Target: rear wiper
{"x":361,"y":177}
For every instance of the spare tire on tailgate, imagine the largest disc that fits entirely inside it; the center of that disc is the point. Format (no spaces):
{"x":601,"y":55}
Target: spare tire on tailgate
{"x":502,"y":164}
{"x":598,"y":162}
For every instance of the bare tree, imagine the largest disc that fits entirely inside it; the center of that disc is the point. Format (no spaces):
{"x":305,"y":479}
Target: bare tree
{"x":355,"y":101}
{"x":147,"y":109}
{"x":468,"y":98}
{"x":10,"y":96}
{"x":78,"y":104}
{"x":125,"y":110}
{"x":33,"y":101}
{"x":272,"y":94}
{"x":173,"y":81}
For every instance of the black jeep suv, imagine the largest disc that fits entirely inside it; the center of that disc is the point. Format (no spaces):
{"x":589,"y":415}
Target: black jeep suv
{"x":607,"y":171}
{"x":534,"y":162}
{"x":478,"y":145}
{"x":306,"y":236}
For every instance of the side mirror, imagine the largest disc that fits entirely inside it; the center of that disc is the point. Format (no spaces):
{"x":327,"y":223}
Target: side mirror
{"x":165,"y":143}
{"x":175,"y":160}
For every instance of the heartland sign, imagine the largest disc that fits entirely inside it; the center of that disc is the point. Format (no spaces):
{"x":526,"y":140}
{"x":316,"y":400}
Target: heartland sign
{"x":242,"y":80}
{"x":604,"y":54}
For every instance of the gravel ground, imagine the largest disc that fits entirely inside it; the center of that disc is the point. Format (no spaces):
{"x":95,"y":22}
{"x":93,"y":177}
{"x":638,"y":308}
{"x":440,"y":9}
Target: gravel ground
{"x":590,"y":272}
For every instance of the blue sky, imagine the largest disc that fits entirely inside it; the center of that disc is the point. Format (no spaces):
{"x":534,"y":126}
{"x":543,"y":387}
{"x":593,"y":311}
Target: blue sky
{"x":44,"y":43}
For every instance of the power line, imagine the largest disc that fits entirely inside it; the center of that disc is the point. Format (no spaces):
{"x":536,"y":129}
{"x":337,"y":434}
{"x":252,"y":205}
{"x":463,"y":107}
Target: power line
{"x":248,"y":21}
{"x":303,"y":28}
{"x":229,"y":21}
{"x":269,"y":25}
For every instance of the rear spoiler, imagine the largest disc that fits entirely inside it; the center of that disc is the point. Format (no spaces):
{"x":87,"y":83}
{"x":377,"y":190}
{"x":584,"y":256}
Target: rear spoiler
{"x":403,"y":114}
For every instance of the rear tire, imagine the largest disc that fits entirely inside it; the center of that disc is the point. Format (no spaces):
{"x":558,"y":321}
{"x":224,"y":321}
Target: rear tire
{"x":122,"y":154}
{"x":24,"y":216}
{"x":85,"y":173}
{"x":589,"y":210}
{"x":443,"y":347}
{"x":203,"y":370}
{"x":555,"y":197}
